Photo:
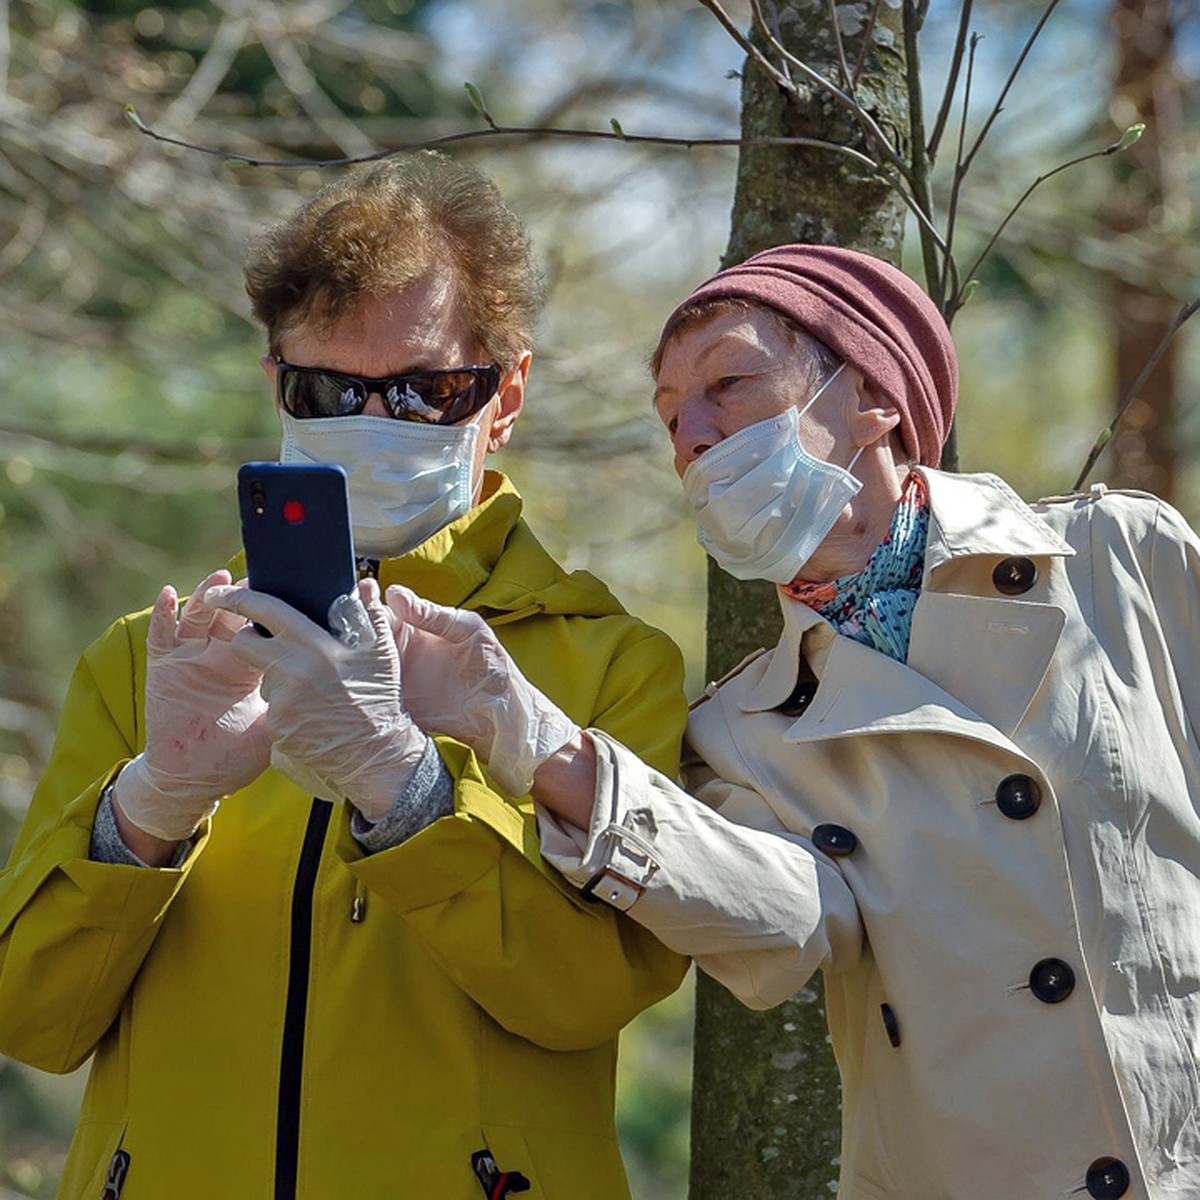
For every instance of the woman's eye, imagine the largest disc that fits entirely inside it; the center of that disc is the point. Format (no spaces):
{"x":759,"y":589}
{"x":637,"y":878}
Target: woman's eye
{"x":672,"y":425}
{"x":727,"y":381}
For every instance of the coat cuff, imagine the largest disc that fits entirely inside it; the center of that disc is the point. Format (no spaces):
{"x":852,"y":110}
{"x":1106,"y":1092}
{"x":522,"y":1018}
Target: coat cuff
{"x":107,"y":844}
{"x":615,"y":859}
{"x":760,"y":910}
{"x":428,"y":796}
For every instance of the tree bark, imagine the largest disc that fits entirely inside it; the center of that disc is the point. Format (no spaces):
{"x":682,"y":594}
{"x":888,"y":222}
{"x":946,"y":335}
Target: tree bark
{"x":1147,"y":88}
{"x":765,"y":1108}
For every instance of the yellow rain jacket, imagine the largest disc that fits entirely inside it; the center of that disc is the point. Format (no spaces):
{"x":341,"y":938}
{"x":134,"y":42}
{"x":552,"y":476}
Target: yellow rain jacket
{"x":286,"y":1016}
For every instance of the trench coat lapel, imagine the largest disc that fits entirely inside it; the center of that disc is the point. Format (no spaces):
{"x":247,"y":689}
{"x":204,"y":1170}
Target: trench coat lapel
{"x":941,"y":688}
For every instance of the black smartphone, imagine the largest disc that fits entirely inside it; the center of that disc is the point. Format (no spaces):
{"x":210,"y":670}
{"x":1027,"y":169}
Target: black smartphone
{"x":296,"y":531}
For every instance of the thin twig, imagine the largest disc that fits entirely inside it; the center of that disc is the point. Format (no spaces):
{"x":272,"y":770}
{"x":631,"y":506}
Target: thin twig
{"x":1107,"y":433}
{"x":748,"y":46}
{"x":777,"y":26}
{"x":960,"y":44}
{"x":998,"y":108}
{"x":207,"y":77}
{"x":295,"y":75}
{"x":843,"y":63}
{"x":1114,"y":148}
{"x":864,"y":118}
{"x":496,"y":130}
{"x":867,"y":38}
{"x":960,"y":171}
{"x":922,"y":188}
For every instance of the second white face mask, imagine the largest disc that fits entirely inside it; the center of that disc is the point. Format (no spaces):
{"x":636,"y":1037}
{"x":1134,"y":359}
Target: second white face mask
{"x":407,"y":480}
{"x":762,"y":503}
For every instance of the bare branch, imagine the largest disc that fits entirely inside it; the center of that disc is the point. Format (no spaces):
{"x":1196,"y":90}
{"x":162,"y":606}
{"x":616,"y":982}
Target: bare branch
{"x":922,"y":186}
{"x":496,"y":130}
{"x":843,"y":64}
{"x":777,"y":29}
{"x":870,"y":127}
{"x":1107,"y":433}
{"x":960,"y":44}
{"x":748,"y":46}
{"x":867,"y":38}
{"x":207,"y":77}
{"x":1114,"y":148}
{"x":960,"y":170}
{"x":300,"y":81}
{"x":998,"y":108}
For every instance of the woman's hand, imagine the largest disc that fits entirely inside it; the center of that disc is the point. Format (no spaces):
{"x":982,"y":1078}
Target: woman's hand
{"x":205,"y":732}
{"x":334,"y":713}
{"x":459,"y":680}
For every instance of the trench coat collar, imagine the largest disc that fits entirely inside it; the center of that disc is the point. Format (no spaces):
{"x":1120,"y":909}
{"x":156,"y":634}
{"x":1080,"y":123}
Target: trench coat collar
{"x":981,"y":514}
{"x":862,"y":690}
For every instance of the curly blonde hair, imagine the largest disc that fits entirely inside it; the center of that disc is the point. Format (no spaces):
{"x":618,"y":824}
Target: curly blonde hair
{"x":380,"y":229}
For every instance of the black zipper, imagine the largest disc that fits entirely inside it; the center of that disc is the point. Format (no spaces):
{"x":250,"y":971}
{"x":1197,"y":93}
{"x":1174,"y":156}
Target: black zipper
{"x":291,"y":1065}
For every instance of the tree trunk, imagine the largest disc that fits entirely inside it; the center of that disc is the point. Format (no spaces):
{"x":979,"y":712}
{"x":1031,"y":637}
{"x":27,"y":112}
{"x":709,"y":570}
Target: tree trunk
{"x":1147,"y":88}
{"x":765,"y":1108}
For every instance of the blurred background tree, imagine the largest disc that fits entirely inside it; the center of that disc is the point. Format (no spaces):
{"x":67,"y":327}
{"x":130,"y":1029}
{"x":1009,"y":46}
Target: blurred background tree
{"x":129,"y":359}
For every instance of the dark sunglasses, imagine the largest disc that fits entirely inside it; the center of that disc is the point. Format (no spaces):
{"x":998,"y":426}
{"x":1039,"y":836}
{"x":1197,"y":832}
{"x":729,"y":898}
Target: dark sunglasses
{"x":433,"y":397}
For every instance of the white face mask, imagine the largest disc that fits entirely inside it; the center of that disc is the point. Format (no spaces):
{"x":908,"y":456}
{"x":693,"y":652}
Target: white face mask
{"x":407,"y":480}
{"x":762,"y":503}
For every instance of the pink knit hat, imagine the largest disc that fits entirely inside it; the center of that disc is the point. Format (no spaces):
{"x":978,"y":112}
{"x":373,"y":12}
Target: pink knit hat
{"x":869,"y":314}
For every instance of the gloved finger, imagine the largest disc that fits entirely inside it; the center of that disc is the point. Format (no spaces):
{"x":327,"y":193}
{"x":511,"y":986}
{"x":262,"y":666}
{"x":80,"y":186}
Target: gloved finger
{"x":381,"y":621}
{"x":160,"y":637}
{"x":453,"y":624}
{"x":257,"y":651}
{"x":197,"y":615}
{"x":225,"y":624}
{"x":368,"y":591}
{"x":269,"y":611}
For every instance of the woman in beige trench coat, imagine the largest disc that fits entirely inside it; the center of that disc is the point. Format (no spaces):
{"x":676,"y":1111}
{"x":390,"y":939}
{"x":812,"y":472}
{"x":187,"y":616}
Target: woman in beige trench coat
{"x":963,"y":784}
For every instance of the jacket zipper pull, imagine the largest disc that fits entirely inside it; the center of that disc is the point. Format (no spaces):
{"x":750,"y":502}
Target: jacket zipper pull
{"x":358,"y":909}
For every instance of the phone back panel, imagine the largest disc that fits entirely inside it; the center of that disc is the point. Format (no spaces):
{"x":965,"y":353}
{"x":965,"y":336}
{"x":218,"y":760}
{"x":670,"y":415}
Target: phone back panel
{"x":296,"y":531}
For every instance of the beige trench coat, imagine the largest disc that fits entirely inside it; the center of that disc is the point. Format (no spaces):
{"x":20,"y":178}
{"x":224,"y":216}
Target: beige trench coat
{"x":1012,"y":945}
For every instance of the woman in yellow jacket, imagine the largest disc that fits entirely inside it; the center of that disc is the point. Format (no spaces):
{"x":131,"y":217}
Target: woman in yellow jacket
{"x":286,"y":1009}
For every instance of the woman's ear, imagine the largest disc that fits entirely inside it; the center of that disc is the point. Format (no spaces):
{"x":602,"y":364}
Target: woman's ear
{"x":871,"y":418}
{"x":512,"y":400}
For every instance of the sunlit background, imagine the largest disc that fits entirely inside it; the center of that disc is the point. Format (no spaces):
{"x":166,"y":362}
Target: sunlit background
{"x":131,"y":385}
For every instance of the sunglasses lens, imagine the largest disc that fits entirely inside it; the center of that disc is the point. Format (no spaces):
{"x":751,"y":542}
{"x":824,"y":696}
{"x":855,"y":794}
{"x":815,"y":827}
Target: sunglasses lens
{"x":431,"y":397}
{"x":441,"y":397}
{"x":319,"y":393}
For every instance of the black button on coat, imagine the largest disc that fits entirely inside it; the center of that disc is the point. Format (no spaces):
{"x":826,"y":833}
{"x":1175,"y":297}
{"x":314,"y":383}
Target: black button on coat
{"x":1052,"y":980}
{"x":835,"y":840}
{"x":1014,"y":576}
{"x":1018,"y":797}
{"x":1107,"y":1179}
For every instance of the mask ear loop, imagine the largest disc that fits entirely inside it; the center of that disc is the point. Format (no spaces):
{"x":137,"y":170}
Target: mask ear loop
{"x":820,"y":391}
{"x":815,"y":397}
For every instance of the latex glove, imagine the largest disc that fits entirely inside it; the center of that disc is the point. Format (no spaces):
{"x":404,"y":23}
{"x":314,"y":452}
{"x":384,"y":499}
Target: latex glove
{"x":459,"y":680}
{"x":205,"y":730}
{"x":333,"y":711}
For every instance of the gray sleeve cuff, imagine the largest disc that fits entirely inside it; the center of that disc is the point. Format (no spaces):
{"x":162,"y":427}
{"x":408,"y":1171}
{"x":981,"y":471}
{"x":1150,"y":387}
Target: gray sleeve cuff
{"x":107,"y":845}
{"x":427,"y":796}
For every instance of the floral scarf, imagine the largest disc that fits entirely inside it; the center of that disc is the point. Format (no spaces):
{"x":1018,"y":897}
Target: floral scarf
{"x":875,"y":605}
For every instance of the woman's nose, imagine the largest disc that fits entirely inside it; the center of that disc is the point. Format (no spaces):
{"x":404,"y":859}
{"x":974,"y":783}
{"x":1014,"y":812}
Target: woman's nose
{"x":375,"y":406}
{"x":694,"y":433}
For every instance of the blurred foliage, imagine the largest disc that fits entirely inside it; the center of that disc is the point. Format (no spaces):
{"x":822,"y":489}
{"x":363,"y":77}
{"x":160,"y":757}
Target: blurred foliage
{"x":130,"y":362}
